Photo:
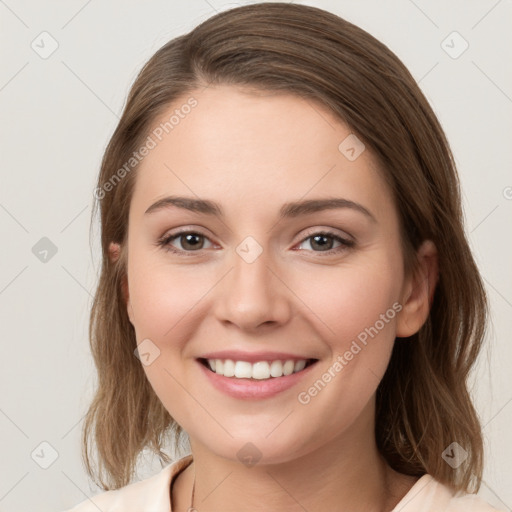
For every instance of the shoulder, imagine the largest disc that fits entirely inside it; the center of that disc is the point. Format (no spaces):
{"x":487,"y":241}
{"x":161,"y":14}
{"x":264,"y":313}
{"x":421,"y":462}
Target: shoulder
{"x":430,"y":495}
{"x":151,"y":494}
{"x":470,"y":503}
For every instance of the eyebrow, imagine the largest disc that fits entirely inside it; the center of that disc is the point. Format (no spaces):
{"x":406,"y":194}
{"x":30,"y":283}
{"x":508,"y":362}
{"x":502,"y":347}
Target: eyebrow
{"x":288,"y":210}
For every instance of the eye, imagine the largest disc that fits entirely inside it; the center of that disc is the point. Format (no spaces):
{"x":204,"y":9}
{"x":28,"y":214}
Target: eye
{"x":193,"y":241}
{"x":324,"y":241}
{"x":190,"y":241}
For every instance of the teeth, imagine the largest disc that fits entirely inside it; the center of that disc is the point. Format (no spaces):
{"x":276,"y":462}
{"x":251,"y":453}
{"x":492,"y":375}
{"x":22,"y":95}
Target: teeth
{"x":243,"y":370}
{"x":260,"y":370}
{"x":227,"y":368}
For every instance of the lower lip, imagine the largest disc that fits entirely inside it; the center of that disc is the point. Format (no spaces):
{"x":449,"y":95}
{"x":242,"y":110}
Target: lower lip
{"x":254,"y":389}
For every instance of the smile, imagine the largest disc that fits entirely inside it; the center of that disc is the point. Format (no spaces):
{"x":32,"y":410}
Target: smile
{"x":260,"y":370}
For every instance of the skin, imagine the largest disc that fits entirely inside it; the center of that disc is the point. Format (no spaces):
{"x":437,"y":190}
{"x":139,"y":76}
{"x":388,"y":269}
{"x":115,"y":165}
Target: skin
{"x":251,"y":153}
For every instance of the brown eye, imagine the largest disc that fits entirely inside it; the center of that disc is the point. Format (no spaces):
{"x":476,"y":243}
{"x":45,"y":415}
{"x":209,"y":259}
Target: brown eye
{"x":185,"y":241}
{"x":191,"y":241}
{"x":324,"y":242}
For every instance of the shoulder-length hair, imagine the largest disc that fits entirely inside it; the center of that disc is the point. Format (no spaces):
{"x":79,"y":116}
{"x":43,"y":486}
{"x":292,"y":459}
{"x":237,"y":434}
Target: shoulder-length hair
{"x":422,"y":403}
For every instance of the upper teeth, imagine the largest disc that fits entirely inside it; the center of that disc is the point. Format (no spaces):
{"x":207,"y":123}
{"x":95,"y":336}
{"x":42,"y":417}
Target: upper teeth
{"x":259,"y":370}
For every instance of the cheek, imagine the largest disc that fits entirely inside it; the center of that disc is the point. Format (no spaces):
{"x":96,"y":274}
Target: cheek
{"x":164,"y":299}
{"x":351,"y":298}
{"x":354,"y":309}
{"x":167,"y":303}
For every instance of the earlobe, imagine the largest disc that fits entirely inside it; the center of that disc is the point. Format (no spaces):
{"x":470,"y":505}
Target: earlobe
{"x":418,"y":292}
{"x":114,"y":250}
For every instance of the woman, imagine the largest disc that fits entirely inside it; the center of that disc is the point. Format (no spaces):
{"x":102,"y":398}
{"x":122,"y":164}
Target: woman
{"x":286,"y":281}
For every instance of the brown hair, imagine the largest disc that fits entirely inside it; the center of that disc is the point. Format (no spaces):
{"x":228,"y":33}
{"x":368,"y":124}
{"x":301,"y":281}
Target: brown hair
{"x":423,"y":403}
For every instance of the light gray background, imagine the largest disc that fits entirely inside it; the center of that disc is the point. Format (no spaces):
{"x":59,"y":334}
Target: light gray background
{"x":57,"y":115}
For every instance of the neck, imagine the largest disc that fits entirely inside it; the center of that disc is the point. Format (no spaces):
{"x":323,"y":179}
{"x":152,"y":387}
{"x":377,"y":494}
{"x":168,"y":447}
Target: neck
{"x":345,"y":474}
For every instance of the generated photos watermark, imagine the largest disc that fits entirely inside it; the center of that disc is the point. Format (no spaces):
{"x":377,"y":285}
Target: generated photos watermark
{"x":150,"y":143}
{"x":342,"y":360}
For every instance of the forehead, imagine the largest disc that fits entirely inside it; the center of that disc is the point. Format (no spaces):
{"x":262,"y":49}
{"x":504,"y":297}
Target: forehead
{"x":239,"y":144}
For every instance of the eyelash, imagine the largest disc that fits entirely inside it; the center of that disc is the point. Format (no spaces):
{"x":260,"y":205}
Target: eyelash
{"x":164,"y":242}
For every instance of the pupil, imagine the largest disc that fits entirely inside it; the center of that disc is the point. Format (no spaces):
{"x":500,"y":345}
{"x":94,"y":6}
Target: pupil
{"x":322,"y":246}
{"x":188,"y":239}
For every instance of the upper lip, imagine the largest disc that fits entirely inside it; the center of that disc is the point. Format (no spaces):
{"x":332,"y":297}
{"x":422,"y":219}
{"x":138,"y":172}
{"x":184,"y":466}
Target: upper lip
{"x":253,"y":357}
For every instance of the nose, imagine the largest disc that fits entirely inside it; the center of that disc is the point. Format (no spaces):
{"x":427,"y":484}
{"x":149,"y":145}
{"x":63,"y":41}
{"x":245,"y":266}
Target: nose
{"x":253,"y":296}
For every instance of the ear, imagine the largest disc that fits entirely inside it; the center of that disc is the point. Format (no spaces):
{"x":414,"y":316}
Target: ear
{"x":114,"y":251}
{"x":418,"y":292}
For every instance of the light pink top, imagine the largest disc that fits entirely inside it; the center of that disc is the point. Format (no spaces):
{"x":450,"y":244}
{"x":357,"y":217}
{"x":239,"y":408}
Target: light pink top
{"x":152,"y":495}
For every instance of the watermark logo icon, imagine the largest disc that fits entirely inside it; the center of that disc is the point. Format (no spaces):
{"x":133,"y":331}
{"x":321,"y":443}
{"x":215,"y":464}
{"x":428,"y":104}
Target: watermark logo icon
{"x":44,"y":455}
{"x":147,"y":352}
{"x":44,"y":250}
{"x":454,"y":45}
{"x":454,"y":455}
{"x":44,"y":45}
{"x":249,"y":455}
{"x":351,"y":147}
{"x":249,"y":249}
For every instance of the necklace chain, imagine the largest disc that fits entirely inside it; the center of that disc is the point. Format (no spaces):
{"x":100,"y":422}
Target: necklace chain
{"x":191,"y":508}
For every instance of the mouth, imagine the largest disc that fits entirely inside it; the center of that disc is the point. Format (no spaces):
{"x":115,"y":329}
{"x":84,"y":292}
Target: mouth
{"x":258,"y":371}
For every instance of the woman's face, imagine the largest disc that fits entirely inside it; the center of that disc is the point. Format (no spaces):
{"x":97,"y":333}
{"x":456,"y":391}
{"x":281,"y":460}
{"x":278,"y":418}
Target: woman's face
{"x":261,"y":273}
